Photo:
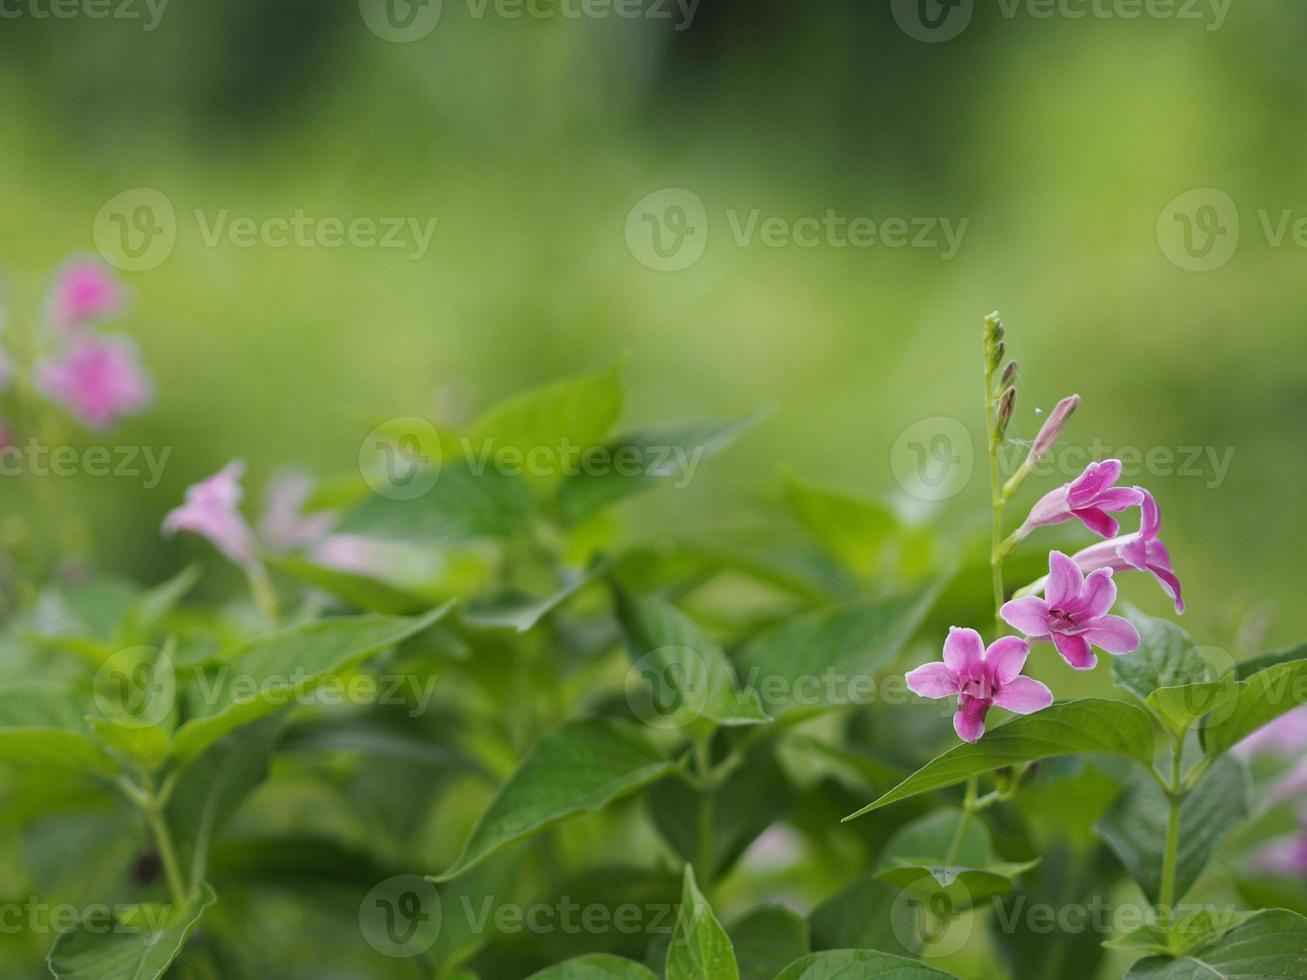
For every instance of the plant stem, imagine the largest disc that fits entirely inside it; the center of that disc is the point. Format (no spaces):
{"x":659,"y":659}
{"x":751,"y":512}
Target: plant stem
{"x":703,"y":763}
{"x":1175,"y":797}
{"x":968,"y":805}
{"x":996,"y":549}
{"x":265,"y":596}
{"x":171,"y":867}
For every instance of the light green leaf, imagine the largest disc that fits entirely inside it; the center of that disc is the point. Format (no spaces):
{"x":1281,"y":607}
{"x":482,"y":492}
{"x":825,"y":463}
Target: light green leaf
{"x":466,"y":503}
{"x":1135,"y":827}
{"x":829,"y":657}
{"x":956,"y":888}
{"x":521,"y":611}
{"x":853,"y":529}
{"x":1167,"y":657}
{"x":597,"y":966}
{"x":1260,"y":699}
{"x":700,"y":948}
{"x":1270,"y":945}
{"x":101,"y":949}
{"x":1069,"y":728}
{"x":580,"y":767}
{"x":271,"y":671}
{"x":692,"y":683}
{"x":929,"y":840}
{"x":859,"y":964}
{"x":662,"y":454}
{"x":45,"y":726}
{"x":1255,"y":665}
{"x":153,"y":604}
{"x":1182,"y":709}
{"x":1194,"y":930}
{"x":766,"y":940}
{"x":369,"y":594}
{"x":559,"y":419}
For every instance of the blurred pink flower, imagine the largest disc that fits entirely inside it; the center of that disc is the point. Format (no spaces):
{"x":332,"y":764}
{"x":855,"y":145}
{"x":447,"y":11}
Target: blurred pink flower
{"x":1073,"y":614}
{"x":83,"y":292}
{"x":1286,"y":735}
{"x":1142,"y":550}
{"x":99,"y":379}
{"x":284,"y":526}
{"x":1287,"y":856}
{"x":980,"y":678}
{"x":1087,"y":498}
{"x":211,"y":510}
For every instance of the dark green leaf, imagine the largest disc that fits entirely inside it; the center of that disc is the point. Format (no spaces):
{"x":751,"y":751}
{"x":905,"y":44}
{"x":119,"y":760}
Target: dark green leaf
{"x":597,"y":966}
{"x":853,"y":529}
{"x":859,"y":964}
{"x":1270,"y":945}
{"x":1167,"y":657}
{"x":579,"y":767}
{"x":767,"y":939}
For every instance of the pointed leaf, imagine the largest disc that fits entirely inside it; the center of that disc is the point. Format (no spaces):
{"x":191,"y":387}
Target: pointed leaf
{"x":700,"y":948}
{"x":1260,"y":699}
{"x":597,"y":966}
{"x":45,"y":726}
{"x":1270,"y":945}
{"x":859,"y":964}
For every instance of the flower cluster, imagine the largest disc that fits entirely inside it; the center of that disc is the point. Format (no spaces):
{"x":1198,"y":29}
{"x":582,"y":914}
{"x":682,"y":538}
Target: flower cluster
{"x":99,"y":378}
{"x":1070,"y":608}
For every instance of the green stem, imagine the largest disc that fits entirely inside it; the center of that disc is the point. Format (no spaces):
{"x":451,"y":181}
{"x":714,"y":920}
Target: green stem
{"x":265,"y":596}
{"x":167,"y":854}
{"x":1175,"y":797}
{"x":703,"y":764}
{"x":996,"y":550}
{"x":968,"y":805}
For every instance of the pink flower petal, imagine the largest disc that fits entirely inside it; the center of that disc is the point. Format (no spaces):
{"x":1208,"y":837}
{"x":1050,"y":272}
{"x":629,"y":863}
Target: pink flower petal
{"x":964,"y":652}
{"x":1029,"y":615}
{"x":933,"y":680}
{"x":1064,"y":581}
{"x":1006,"y":656}
{"x":1075,"y":651}
{"x":1113,"y":634}
{"x":1098,"y":521}
{"x":1098,"y":595}
{"x":1023,"y":695}
{"x":969,"y":721}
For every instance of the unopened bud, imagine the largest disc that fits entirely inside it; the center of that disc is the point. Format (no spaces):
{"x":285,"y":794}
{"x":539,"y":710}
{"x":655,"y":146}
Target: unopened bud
{"x":1007,"y":403}
{"x":1009,"y":373}
{"x":1052,"y":429}
{"x":993,"y":341}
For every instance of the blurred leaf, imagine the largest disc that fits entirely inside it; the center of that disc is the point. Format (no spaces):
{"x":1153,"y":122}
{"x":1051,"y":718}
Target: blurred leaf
{"x":831,"y":652}
{"x":154,"y":604}
{"x":100,"y":949}
{"x":1135,"y":827}
{"x":270,"y":671}
{"x":45,"y":726}
{"x":859,"y":917}
{"x":853,"y":529}
{"x":952,"y":887}
{"x":597,"y":966}
{"x":1194,"y":930}
{"x":858,"y":964}
{"x":665,"y":453}
{"x":579,"y":767}
{"x":1267,"y":945}
{"x":365,"y":593}
{"x":766,"y":940}
{"x":1068,"y":728}
{"x":1261,"y":698}
{"x":521,"y":611}
{"x":468,"y":904}
{"x":699,"y":948}
{"x":930,"y":838}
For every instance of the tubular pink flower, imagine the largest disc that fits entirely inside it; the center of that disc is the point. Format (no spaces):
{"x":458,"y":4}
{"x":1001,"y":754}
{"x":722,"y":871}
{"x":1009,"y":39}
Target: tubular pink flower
{"x":1051,"y":430}
{"x":99,"y":379}
{"x":1087,"y":498}
{"x":980,"y":678}
{"x":85,"y":291}
{"x":211,"y":510}
{"x":1073,"y":614}
{"x":1142,"y":550}
{"x":284,"y":526}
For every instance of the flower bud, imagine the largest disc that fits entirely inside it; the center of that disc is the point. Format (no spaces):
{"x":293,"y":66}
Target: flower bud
{"x":1009,"y":373}
{"x":1007,"y":403}
{"x":1052,"y":428}
{"x":993,"y":341}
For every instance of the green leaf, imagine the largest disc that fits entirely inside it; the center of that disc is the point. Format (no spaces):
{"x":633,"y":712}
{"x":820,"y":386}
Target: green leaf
{"x":466,"y":503}
{"x":691,"y":681}
{"x":560,"y":419}
{"x":700,"y":948}
{"x":1135,"y":827}
{"x":956,"y":888}
{"x":268,"y":672}
{"x":668,"y":453}
{"x":828,"y":657}
{"x":1194,"y":930}
{"x":1258,"y":700}
{"x":865,"y":915}
{"x":597,"y":966}
{"x":366,"y":593}
{"x":1183,"y":709}
{"x":154,"y":604}
{"x":520,"y":611}
{"x":1245,"y":669}
{"x":929,"y":840}
{"x":1270,"y":945}
{"x":753,"y":796}
{"x":100,"y":949}
{"x":1167,"y":657}
{"x":858,"y":964}
{"x":767,"y":939}
{"x":853,"y":529}
{"x":1068,"y":728}
{"x":580,"y":767}
{"x":45,"y":726}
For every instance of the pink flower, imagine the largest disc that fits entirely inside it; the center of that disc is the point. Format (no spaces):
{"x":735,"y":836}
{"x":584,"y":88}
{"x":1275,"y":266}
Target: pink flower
{"x":1087,"y":498}
{"x":284,"y":526}
{"x":1286,"y":735}
{"x":980,"y":678}
{"x":84,"y":291}
{"x":99,"y":379}
{"x":1052,"y":429}
{"x":1141,"y":550}
{"x":1073,"y":614}
{"x":211,"y":511}
{"x":1286,"y":856}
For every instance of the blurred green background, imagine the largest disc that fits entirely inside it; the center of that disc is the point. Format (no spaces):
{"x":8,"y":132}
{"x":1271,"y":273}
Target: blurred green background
{"x":1059,"y":140}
